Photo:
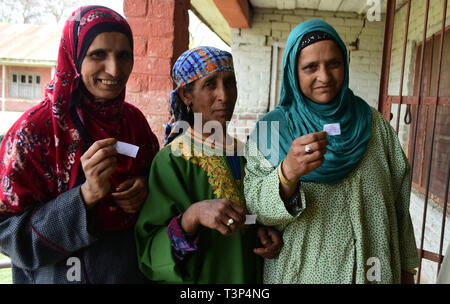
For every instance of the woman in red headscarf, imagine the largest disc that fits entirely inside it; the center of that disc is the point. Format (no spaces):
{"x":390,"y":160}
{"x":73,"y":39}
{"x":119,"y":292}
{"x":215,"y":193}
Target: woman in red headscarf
{"x":68,"y":200}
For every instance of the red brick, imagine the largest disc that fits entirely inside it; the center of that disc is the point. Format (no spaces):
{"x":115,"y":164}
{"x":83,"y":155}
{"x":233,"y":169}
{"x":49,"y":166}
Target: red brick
{"x":137,"y":83}
{"x":158,"y":124}
{"x":162,"y":28}
{"x":152,"y":66}
{"x":133,"y":8}
{"x":160,"y":47}
{"x":140,"y":46}
{"x":160,"y":83}
{"x":139,"y":26}
{"x":149,"y":104}
{"x":162,"y":9}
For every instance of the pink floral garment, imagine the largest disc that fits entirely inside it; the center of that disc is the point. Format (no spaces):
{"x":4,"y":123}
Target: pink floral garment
{"x":40,"y":154}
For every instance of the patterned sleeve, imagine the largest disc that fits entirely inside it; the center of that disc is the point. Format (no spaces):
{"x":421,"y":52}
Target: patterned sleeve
{"x":182,"y":244}
{"x":262,"y":192}
{"x":46,"y":233}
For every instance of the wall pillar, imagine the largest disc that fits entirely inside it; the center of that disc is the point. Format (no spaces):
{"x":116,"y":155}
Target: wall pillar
{"x":161,"y":35}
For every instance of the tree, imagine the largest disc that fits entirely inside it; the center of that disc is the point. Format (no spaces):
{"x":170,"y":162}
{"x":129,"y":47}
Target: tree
{"x":35,"y":11}
{"x":20,"y":11}
{"x":58,"y":9}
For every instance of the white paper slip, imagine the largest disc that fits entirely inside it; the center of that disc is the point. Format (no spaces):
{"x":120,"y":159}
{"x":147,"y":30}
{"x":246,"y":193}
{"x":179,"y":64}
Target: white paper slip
{"x":250,"y":219}
{"x":333,"y":129}
{"x":126,"y":149}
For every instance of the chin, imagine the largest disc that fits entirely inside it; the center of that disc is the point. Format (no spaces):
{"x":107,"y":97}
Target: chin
{"x":323,"y":99}
{"x":106,"y":95}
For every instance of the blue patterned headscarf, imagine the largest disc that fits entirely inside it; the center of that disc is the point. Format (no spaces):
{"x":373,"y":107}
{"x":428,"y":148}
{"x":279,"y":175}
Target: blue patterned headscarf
{"x":297,"y":115}
{"x":190,"y":66}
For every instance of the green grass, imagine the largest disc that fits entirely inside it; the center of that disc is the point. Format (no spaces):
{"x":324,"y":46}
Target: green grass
{"x":5,"y":274}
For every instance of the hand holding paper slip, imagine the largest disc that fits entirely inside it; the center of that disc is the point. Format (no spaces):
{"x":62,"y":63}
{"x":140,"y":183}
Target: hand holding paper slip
{"x":126,"y":149}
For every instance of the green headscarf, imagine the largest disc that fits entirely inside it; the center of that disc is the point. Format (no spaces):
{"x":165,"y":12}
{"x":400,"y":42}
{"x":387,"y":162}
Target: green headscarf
{"x":296,"y":115}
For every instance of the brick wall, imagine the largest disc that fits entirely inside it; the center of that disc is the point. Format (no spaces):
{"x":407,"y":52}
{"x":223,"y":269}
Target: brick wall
{"x":160,"y":30}
{"x":252,"y":53}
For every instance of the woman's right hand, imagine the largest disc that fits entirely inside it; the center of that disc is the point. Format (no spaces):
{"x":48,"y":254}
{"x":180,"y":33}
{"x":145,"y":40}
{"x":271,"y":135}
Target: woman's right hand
{"x":98,"y":163}
{"x":213,"y":214}
{"x":298,"y":162}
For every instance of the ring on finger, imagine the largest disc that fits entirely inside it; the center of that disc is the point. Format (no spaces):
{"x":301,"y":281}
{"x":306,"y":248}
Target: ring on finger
{"x":230,"y":222}
{"x":308,"y":149}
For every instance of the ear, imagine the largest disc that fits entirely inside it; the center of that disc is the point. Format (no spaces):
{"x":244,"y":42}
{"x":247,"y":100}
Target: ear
{"x":186,"y":96}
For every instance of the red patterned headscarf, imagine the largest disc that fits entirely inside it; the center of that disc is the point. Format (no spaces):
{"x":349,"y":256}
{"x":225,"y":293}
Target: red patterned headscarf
{"x":41,"y":152}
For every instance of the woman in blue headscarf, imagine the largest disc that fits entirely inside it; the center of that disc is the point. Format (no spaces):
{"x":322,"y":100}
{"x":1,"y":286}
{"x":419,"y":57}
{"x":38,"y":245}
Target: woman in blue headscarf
{"x":328,"y":171}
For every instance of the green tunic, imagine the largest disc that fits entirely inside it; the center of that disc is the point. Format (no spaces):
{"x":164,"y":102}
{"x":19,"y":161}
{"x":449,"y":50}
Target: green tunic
{"x":357,"y":231}
{"x":178,"y":178}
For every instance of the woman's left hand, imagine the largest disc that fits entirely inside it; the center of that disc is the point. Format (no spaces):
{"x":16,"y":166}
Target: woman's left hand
{"x":272,"y":241}
{"x":131,"y":194}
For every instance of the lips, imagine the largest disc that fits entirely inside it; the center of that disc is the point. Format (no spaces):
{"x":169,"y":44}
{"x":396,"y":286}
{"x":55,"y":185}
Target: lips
{"x":222,"y":112}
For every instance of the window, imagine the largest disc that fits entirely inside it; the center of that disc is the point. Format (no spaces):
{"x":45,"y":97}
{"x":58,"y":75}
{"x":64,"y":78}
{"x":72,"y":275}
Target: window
{"x":27,"y":86}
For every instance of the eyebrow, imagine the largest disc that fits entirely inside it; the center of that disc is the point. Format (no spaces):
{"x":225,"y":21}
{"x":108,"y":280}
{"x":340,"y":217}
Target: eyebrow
{"x":107,"y":50}
{"x":214,"y":77}
{"x":210,"y":77}
{"x":316,"y":62}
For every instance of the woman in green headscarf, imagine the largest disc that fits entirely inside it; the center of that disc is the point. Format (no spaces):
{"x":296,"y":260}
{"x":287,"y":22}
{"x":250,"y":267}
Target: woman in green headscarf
{"x":335,"y":179}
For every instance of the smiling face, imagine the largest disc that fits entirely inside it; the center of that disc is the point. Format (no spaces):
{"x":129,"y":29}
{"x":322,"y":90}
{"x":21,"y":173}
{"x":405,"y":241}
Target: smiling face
{"x":107,"y":65}
{"x":214,"y":96}
{"x":321,"y":71}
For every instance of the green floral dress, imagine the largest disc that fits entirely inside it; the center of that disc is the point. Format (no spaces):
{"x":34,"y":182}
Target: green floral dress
{"x":357,"y":231}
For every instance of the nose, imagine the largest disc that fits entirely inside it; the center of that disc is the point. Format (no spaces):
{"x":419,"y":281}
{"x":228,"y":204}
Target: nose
{"x":221,"y":91}
{"x":112,"y":66}
{"x":324,"y":75}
